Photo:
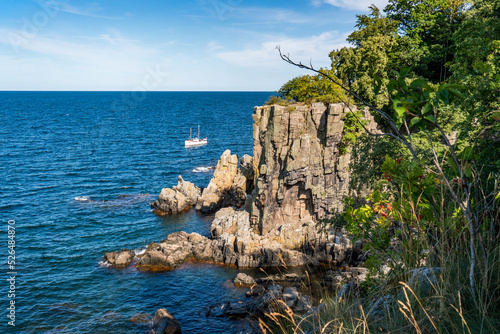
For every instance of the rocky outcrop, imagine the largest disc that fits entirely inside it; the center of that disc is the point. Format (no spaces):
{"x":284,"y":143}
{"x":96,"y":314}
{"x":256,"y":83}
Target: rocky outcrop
{"x":179,"y":198}
{"x":164,"y":322}
{"x":296,"y":177}
{"x":243,"y":279}
{"x":263,"y":299}
{"x":240,"y":245}
{"x":213,"y":195}
{"x":300,"y":174}
{"x":229,"y":186}
{"x":178,"y":248}
{"x":119,"y":259}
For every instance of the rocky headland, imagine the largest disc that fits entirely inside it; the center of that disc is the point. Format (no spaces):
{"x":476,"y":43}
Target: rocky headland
{"x":267,"y":207}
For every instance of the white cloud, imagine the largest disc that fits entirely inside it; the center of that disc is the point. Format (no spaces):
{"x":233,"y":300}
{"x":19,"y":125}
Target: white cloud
{"x":90,"y":11}
{"x":314,"y":49}
{"x":354,"y":4}
{"x":214,"y":46}
{"x":107,"y":60}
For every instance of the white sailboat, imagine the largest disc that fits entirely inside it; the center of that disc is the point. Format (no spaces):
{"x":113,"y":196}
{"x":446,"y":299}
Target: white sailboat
{"x":195,"y":141}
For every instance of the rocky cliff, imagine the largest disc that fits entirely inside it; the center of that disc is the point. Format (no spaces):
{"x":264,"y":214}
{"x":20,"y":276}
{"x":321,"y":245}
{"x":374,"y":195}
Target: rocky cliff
{"x":297,"y":176}
{"x":300,"y":174}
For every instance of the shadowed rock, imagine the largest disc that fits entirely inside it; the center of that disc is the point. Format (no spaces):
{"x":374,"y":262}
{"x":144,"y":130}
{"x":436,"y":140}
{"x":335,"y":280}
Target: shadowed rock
{"x":165,"y":323}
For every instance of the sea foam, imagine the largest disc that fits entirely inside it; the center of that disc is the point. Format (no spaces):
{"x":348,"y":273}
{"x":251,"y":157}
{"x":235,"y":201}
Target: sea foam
{"x":82,"y":198}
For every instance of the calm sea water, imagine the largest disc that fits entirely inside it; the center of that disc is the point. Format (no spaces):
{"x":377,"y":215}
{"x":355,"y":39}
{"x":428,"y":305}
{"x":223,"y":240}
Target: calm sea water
{"x":77,"y":173}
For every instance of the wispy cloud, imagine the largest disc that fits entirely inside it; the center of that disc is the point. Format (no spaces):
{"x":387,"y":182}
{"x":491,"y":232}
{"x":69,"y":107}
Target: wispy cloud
{"x":91,"y":10}
{"x":314,"y":48}
{"x":279,"y":15}
{"x":214,"y":46}
{"x":361,"y":5}
{"x":106,"y":48}
{"x":108,"y":59}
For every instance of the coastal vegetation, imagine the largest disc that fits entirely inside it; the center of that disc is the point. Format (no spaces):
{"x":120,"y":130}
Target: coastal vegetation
{"x":429,"y":71}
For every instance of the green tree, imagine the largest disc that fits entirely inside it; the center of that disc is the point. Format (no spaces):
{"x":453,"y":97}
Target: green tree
{"x":477,"y":67}
{"x":425,"y":28}
{"x":366,"y":66}
{"x":311,"y":88}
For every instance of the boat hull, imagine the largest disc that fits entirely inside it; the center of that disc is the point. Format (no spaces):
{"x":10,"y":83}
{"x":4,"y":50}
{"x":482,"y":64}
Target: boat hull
{"x":194,"y":142}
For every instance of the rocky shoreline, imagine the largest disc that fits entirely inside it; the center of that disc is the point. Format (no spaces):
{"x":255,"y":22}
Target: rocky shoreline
{"x":267,"y":207}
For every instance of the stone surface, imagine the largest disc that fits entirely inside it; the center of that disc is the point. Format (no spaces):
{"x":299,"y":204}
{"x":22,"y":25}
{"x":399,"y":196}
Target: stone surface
{"x":304,"y":303}
{"x":424,"y":280}
{"x":295,"y":178}
{"x":290,"y":296}
{"x":119,"y":259}
{"x":165,"y":323}
{"x":178,"y":248}
{"x":300,"y":174}
{"x":243,"y":279}
{"x":179,"y":198}
{"x":219,"y":191}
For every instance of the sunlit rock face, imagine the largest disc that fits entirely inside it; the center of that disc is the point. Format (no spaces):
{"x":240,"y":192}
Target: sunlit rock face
{"x":300,"y":175}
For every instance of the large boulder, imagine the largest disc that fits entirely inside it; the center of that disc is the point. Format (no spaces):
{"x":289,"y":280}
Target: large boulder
{"x":243,"y":279}
{"x":119,"y":259}
{"x":178,"y":248}
{"x":213,"y":195}
{"x":178,"y":199}
{"x":164,"y":322}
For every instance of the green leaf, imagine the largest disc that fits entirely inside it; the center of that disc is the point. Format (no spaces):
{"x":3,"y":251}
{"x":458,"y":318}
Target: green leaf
{"x":444,"y":96}
{"x":426,"y":108}
{"x":415,"y":120}
{"x":430,"y":118}
{"x":417,"y":83}
{"x":404,"y":72}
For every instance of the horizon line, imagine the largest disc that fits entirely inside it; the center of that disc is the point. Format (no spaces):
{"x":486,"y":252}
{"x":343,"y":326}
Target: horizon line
{"x":133,"y":91}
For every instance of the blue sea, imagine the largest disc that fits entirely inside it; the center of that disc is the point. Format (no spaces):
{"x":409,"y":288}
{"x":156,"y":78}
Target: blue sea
{"x":78,"y":171}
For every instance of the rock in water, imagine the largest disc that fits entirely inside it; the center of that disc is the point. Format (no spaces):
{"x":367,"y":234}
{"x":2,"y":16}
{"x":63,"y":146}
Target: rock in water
{"x":298,"y":176}
{"x":119,"y":259}
{"x":165,"y":323}
{"x":179,"y":198}
{"x":178,"y":248}
{"x":243,"y":279}
{"x":213,"y":195}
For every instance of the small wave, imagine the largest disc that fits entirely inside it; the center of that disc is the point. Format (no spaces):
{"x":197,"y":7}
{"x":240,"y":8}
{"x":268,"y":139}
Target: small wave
{"x":203,"y":169}
{"x":140,"y":251}
{"x":82,"y":199}
{"x":104,"y":264}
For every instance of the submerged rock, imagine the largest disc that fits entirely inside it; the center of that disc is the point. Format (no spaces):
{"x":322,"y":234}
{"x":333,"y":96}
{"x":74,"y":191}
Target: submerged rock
{"x":141,"y":318}
{"x":165,"y":323}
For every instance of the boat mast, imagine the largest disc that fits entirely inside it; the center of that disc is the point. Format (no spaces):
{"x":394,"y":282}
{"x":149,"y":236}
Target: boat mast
{"x":190,"y":130}
{"x":198,"y":131}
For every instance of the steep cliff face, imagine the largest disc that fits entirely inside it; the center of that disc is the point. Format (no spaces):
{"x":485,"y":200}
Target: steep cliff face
{"x":296,"y":177}
{"x":300,"y":175}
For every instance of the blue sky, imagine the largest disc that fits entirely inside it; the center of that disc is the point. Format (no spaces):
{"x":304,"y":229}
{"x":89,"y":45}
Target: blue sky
{"x":166,"y":45}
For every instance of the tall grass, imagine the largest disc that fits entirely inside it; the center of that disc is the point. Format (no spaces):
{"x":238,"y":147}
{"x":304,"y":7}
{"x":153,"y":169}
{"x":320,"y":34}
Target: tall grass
{"x":403,"y":302}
